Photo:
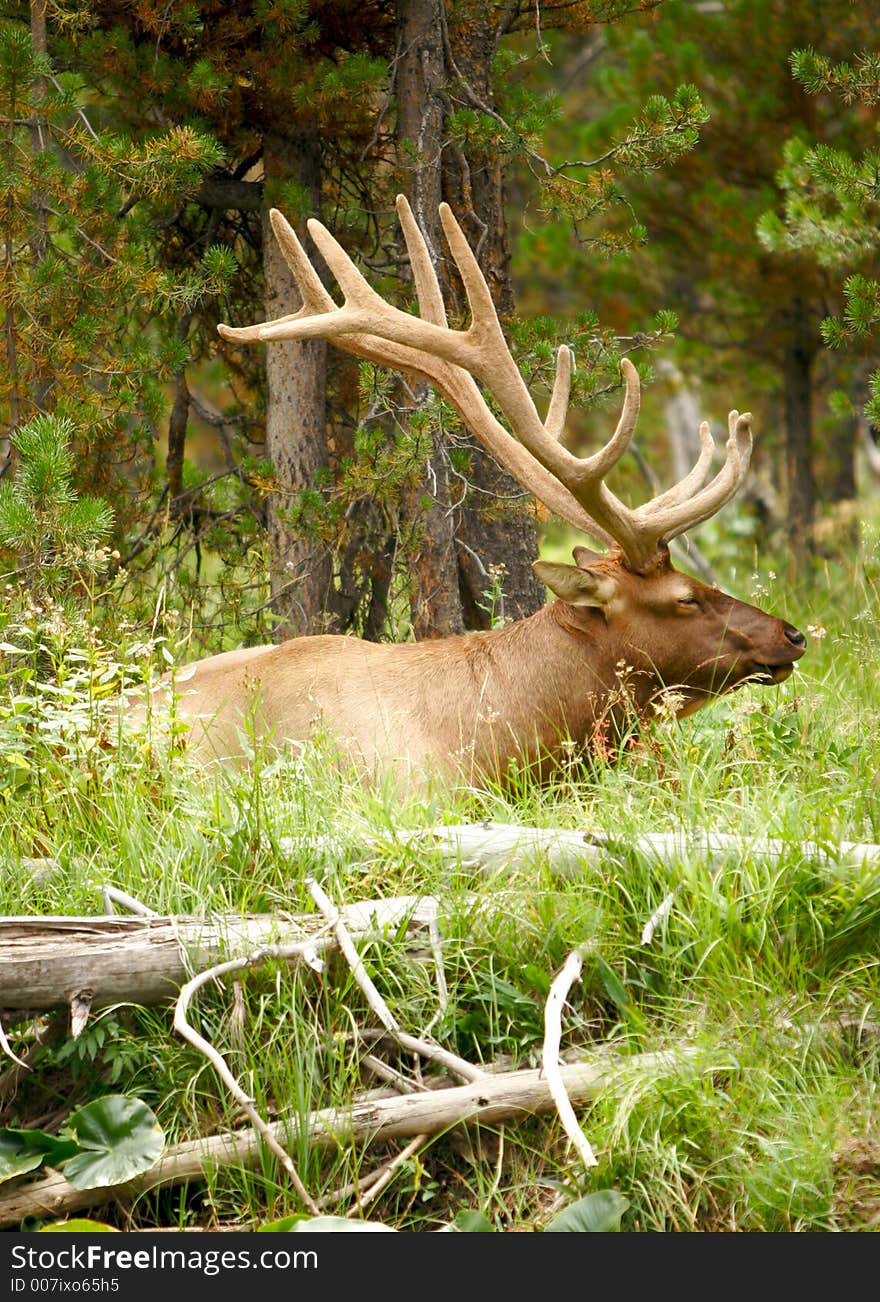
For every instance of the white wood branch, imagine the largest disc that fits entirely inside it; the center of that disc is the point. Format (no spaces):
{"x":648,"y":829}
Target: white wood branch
{"x":333,"y":918}
{"x":570,"y":973}
{"x":508,"y":1096}
{"x":460,"y":1066}
{"x":192,"y":1036}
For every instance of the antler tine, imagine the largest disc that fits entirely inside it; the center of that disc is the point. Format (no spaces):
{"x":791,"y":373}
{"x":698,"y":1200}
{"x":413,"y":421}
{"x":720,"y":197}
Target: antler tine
{"x":672,"y":520}
{"x":431,"y":305}
{"x":314,"y":296}
{"x":484,"y":318}
{"x":490,"y":360}
{"x":358,"y":292}
{"x":554,"y":422}
{"x":453,"y":360}
{"x":693,"y":480}
{"x":371,"y":328}
{"x":598,"y":465}
{"x":315,"y":299}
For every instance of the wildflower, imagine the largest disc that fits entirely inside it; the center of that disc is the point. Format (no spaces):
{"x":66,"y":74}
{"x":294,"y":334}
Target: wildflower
{"x":667,"y":705}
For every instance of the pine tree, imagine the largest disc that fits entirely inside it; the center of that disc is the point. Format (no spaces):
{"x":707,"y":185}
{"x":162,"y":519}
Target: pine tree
{"x":749,"y":320}
{"x":55,"y":531}
{"x":830,"y":204}
{"x":85,"y":309}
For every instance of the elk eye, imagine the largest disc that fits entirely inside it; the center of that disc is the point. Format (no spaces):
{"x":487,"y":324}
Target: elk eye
{"x":691,"y":602}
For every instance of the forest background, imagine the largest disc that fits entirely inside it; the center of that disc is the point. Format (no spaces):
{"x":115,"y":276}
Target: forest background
{"x":693,"y":184}
{"x":690,"y":184}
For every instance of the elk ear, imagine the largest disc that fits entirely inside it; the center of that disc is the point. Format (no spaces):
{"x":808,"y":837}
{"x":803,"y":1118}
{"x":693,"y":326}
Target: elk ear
{"x":580,"y":587}
{"x":584,"y":558}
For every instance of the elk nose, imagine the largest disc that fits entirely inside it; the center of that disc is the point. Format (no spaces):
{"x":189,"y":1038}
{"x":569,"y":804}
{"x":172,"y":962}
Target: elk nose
{"x":795,"y":636}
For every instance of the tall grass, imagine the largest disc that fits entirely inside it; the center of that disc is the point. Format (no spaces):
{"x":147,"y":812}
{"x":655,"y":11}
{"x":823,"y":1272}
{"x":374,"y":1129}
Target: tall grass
{"x":768,"y":967}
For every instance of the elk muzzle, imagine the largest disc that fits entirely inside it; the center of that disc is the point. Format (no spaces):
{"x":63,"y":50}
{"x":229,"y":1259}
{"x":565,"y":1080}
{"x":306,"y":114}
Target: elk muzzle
{"x":778,"y":671}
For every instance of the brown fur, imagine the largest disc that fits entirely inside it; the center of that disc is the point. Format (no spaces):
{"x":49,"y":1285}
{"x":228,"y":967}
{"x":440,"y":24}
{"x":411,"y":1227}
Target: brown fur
{"x":467,"y":706}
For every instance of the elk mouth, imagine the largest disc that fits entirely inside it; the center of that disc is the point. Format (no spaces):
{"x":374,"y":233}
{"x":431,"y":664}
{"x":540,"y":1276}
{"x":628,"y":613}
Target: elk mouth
{"x":768,"y":675}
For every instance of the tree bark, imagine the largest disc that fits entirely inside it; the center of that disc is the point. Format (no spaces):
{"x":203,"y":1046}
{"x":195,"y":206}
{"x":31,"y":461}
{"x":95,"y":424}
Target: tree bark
{"x":839,"y":534}
{"x":682,"y":414}
{"x":435,"y":602}
{"x":869,"y":445}
{"x":497,"y":539}
{"x":841,"y":445}
{"x":296,"y":418}
{"x":364,"y":560}
{"x":39,"y":234}
{"x":797,"y":375}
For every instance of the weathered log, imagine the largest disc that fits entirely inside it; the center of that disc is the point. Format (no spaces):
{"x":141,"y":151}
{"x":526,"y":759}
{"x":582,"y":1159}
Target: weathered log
{"x":495,"y":1098}
{"x":47,"y":962}
{"x":50,"y":961}
{"x":494,"y":845}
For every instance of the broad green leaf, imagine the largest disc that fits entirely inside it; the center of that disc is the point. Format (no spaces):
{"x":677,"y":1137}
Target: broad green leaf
{"x":597,"y":1213}
{"x":122,"y":1138}
{"x":469,"y":1222}
{"x":79,"y":1225}
{"x":328,"y":1225}
{"x":16,"y":1160}
{"x":25,"y":1150}
{"x":282,"y":1226}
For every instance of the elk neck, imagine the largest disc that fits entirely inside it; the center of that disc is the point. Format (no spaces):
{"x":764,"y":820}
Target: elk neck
{"x":550,"y":677}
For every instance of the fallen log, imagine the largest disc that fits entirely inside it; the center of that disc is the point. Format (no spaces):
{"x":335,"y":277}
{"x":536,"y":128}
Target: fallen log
{"x":506,"y":1096}
{"x":46,"y":962}
{"x":494,"y":845}
{"x":53,"y":961}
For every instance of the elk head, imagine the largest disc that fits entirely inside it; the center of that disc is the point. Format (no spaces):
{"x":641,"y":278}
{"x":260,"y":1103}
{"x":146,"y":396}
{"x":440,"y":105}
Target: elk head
{"x":629,"y":603}
{"x":672,"y":629}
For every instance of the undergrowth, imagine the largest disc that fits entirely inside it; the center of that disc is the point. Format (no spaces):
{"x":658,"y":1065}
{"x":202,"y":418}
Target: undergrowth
{"x":758,"y":988}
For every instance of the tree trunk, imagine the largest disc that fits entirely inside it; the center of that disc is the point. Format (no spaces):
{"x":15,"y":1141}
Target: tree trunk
{"x":797,"y":376}
{"x":435,"y":602}
{"x":486,"y":544}
{"x":840,"y":445}
{"x":840,"y":530}
{"x":497,"y":540}
{"x":296,"y":432}
{"x":683,"y":415}
{"x":364,"y":560}
{"x":870,"y":446}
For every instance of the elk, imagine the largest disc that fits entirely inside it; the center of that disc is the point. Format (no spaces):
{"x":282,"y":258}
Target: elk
{"x":625,"y":628}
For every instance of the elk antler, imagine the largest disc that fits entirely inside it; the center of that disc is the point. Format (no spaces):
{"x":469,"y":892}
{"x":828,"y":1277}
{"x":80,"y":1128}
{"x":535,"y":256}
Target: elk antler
{"x":453,"y":360}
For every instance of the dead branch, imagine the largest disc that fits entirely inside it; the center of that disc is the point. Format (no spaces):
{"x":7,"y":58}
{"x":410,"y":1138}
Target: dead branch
{"x":488,"y":1101}
{"x":386,"y":1017}
{"x":191,"y":1035}
{"x":459,"y":1066}
{"x":571,"y":972}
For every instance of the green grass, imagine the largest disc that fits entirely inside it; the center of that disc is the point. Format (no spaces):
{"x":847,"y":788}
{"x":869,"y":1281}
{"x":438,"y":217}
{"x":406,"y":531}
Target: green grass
{"x":768,"y":968}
